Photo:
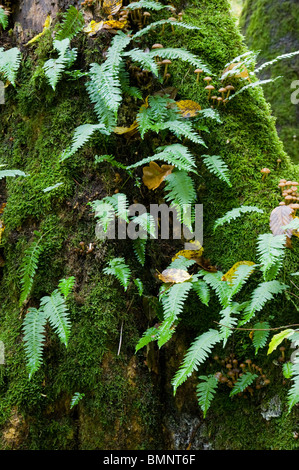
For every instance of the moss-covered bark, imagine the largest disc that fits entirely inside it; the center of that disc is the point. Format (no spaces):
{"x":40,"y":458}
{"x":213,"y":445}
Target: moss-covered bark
{"x":271,"y":27}
{"x":129,"y":401}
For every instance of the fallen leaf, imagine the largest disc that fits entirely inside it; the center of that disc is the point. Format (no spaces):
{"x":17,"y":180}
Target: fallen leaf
{"x":111,"y":7}
{"x":46,"y":26}
{"x":281,"y":215}
{"x":153,"y":175}
{"x":191,"y":254}
{"x":231,"y":272}
{"x":188,"y":108}
{"x":243,"y":74}
{"x":93,"y":27}
{"x":174,"y":276}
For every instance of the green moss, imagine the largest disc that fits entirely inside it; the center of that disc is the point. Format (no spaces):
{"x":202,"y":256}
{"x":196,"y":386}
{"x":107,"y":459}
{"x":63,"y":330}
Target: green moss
{"x":271,"y":28}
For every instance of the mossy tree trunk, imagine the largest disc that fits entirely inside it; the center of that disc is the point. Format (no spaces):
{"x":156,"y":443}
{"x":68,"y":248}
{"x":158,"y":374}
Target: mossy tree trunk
{"x":271,"y":27}
{"x":129,"y":402}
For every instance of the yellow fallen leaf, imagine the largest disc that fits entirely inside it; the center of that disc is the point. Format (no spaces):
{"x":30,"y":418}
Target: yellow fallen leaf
{"x":46,"y":26}
{"x":174,"y":276}
{"x":114,"y":24}
{"x":191,"y":254}
{"x":231,"y":272}
{"x":93,"y":27}
{"x":153,"y":175}
{"x":243,"y":74}
{"x":128,"y":131}
{"x":111,"y":7}
{"x":188,"y":108}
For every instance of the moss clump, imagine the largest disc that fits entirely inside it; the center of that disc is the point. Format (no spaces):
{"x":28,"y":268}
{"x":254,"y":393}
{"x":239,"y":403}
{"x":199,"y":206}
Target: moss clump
{"x":271,"y":27}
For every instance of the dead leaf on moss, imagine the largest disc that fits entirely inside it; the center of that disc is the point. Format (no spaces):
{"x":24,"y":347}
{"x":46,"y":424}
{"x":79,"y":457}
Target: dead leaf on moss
{"x":111,"y":7}
{"x":153,"y":175}
{"x":188,"y":108}
{"x":281,"y":215}
{"x":242,"y":74}
{"x":231,"y":272}
{"x":174,"y":276}
{"x":194,"y":254}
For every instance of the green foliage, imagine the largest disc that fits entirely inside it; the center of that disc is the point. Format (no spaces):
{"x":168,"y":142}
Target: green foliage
{"x":271,"y":251}
{"x":196,"y":355}
{"x":154,"y":25}
{"x":76,"y":398}
{"x":81,"y":136}
{"x":52,"y":308}
{"x":6,"y":173}
{"x":55,"y":67}
{"x":181,"y":54}
{"x":287,"y":370}
{"x":117,"y":267}
{"x":260,"y":338}
{"x":9,"y":63}
{"x":66,"y":286}
{"x":34,"y":335}
{"x":149,"y":5}
{"x":180,"y":193}
{"x":29,"y":266}
{"x":205,"y":391}
{"x":72,"y":24}
{"x":151,"y":334}
{"x":3,"y":17}
{"x":234,"y":214}
{"x":217,"y":166}
{"x":278,"y":339}
{"x":242,"y":383}
{"x":202,"y":290}
{"x":264,"y":292}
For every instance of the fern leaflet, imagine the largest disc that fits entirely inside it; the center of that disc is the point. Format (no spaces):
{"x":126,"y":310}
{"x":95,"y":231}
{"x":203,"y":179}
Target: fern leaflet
{"x":202,"y":290}
{"x":242,"y":383}
{"x":76,"y":398}
{"x":218,"y":167}
{"x":65,"y":286}
{"x":154,"y":25}
{"x":205,"y":391}
{"x":73,"y":22}
{"x":9,"y":63}
{"x":260,"y":337}
{"x":55,"y":310}
{"x":182,"y":54}
{"x":5,"y":173}
{"x":271,"y":250}
{"x":234,"y":214}
{"x":81,"y":135}
{"x":118,"y":268}
{"x":151,"y":334}
{"x":34,"y":335}
{"x":29,"y":267}
{"x":3,"y":17}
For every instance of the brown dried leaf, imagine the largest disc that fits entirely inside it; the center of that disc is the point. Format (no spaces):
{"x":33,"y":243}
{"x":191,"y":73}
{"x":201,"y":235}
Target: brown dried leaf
{"x":111,"y":7}
{"x":243,"y":74}
{"x":188,"y":108}
{"x":153,"y":175}
{"x":281,"y":215}
{"x":174,"y":276}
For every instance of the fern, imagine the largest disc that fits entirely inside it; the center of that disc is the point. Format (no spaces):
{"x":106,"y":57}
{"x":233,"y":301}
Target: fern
{"x":205,"y":392}
{"x":76,"y":398}
{"x":260,"y":338}
{"x":124,"y":79}
{"x":110,"y":159}
{"x":72,"y":24}
{"x":6,"y":173}
{"x":110,"y":207}
{"x":151,"y":334}
{"x":242,"y":383}
{"x":155,"y":24}
{"x":9,"y":63}
{"x":29,"y":267}
{"x":227,"y":323}
{"x":218,"y":167}
{"x":221,"y":288}
{"x":55,"y":310}
{"x":271,"y":62}
{"x":239,"y":278}
{"x":65,"y":286}
{"x":81,"y":136}
{"x":139,"y":247}
{"x":144,"y":59}
{"x":149,"y":5}
{"x":3,"y":17}
{"x":271,"y":250}
{"x":181,"y":195}
{"x":180,"y":129}
{"x":173,"y":304}
{"x":202,"y":290}
{"x":196,"y":355}
{"x":118,"y":268}
{"x":182,"y":54}
{"x":261,"y":294}
{"x":234,"y":214}
{"x":147,"y":223}
{"x":175,"y":154}
{"x":55,"y":67}
{"x":253,"y":85}
{"x":34,"y":335}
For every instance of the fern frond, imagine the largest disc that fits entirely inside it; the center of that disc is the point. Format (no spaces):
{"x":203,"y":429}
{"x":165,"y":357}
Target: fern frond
{"x":72,"y":24}
{"x":196,"y":355}
{"x":5,"y":173}
{"x":210,"y":113}
{"x":138,"y":283}
{"x":9,"y":63}
{"x":221,"y":288}
{"x":205,"y":392}
{"x":202,"y":290}
{"x":173,"y":304}
{"x":175,"y":154}
{"x":55,"y":67}
{"x":155,"y":24}
{"x":117,"y":267}
{"x":227,"y":323}
{"x":242,"y":383}
{"x":151,"y":334}
{"x":271,"y":62}
{"x":239,"y":278}
{"x":149,"y":5}
{"x":3,"y":17}
{"x":76,"y":398}
{"x":253,"y":85}
{"x":55,"y":310}
{"x":293,"y":393}
{"x":139,"y":247}
{"x":180,"y":129}
{"x":262,"y":293}
{"x":184,"y":55}
{"x":271,"y":251}
{"x":218,"y":167}
{"x":124,"y":79}
{"x":81,"y":136}
{"x":34,"y":334}
{"x":29,"y":267}
{"x":147,"y":222}
{"x":144,"y":59}
{"x":234,"y":214}
{"x":180,"y":189}
{"x":66,"y":286}
{"x":110,"y":159}
{"x":259,"y":339}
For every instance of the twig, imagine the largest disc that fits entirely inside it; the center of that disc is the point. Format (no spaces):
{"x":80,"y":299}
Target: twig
{"x":257,"y":329}
{"x":121,"y":328}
